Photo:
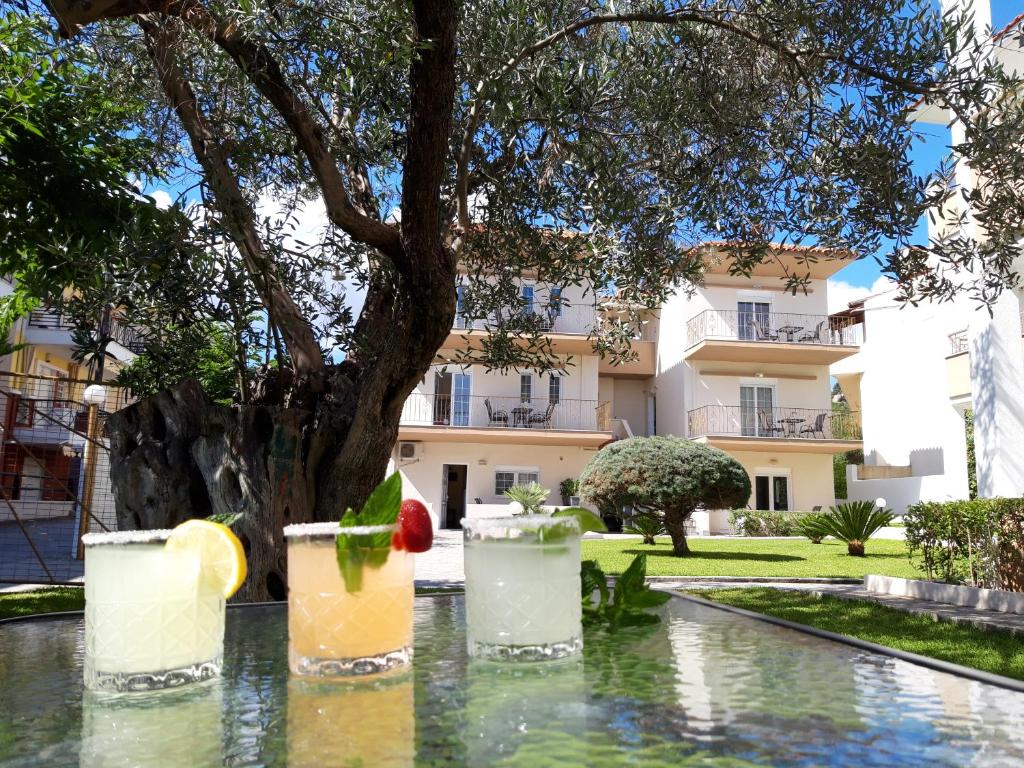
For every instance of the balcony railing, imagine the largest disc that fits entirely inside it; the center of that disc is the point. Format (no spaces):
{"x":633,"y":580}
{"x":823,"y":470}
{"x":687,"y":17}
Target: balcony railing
{"x":506,"y":413}
{"x":562,"y":318}
{"x":784,"y":423}
{"x":125,"y":335}
{"x":773,"y":327}
{"x":958,"y":342}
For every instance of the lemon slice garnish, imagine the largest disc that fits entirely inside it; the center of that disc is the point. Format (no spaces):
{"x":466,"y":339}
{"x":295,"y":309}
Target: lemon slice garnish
{"x":221,"y":557}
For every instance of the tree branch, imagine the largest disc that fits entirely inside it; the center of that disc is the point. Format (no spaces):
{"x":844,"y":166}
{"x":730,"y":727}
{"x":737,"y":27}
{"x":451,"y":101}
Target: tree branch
{"x":161,"y":41}
{"x":266,"y":75}
{"x":711,"y":18}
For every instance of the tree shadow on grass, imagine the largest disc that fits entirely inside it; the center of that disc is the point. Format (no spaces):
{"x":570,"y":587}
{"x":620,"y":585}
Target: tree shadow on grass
{"x":764,"y":557}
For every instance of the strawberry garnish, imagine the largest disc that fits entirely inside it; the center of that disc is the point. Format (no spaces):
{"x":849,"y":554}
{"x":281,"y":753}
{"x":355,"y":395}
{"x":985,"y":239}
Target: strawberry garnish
{"x":396,"y":540}
{"x":414,"y":527}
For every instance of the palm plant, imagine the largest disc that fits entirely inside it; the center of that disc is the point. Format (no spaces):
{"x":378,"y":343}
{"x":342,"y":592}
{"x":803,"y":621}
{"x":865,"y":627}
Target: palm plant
{"x":530,"y":497}
{"x":855,"y":522}
{"x":646,"y":524}
{"x":813,"y":525}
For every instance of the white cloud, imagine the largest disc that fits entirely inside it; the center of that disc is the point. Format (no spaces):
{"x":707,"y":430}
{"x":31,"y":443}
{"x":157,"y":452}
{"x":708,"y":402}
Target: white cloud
{"x":162,"y":199}
{"x":841,"y":293}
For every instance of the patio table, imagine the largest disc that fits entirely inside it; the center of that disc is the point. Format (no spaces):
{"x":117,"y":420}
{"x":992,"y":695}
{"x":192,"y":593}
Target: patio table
{"x":770,"y":693}
{"x":521,"y":416}
{"x":791,"y":424}
{"x":790,"y":330}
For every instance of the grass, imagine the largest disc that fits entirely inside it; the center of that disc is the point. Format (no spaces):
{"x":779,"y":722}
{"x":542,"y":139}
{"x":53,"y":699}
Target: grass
{"x":754,"y":557}
{"x":993,"y":651}
{"x":56,"y":599}
{"x":49,"y":600}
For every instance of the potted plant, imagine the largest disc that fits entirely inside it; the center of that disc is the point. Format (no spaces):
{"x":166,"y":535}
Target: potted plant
{"x":567,"y":489}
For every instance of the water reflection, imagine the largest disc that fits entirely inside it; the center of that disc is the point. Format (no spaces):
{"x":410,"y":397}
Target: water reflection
{"x":364,"y":722}
{"x":158,"y":729}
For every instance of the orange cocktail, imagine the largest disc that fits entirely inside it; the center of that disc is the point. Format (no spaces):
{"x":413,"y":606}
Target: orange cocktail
{"x":353,"y":625}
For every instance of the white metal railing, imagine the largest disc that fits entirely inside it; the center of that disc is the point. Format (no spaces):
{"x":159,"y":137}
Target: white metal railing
{"x":958,"y":342}
{"x":778,"y":422}
{"x":505,"y":412}
{"x":542,"y":316}
{"x":773,"y":327}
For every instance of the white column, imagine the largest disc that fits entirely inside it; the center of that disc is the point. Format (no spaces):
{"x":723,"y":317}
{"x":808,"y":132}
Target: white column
{"x":997,"y":382}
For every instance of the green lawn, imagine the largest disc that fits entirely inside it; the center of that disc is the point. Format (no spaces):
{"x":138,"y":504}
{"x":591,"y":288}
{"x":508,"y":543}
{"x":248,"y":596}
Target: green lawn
{"x":48,"y":600}
{"x":754,"y":557}
{"x":999,"y":652}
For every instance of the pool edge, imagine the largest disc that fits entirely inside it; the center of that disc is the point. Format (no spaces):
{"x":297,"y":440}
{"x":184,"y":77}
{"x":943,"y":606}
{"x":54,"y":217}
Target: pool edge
{"x":938,"y":665}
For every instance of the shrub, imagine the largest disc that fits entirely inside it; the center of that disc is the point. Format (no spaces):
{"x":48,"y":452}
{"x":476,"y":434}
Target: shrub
{"x":854,"y":522}
{"x":978,"y":542}
{"x":670,"y":475}
{"x":813,"y":525}
{"x":763,"y":522}
{"x":647,"y":524}
{"x":530,"y":497}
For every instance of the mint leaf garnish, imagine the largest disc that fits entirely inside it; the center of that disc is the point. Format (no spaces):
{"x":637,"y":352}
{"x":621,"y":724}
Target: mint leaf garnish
{"x":588,"y":520}
{"x":369,"y":550}
{"x":629,"y":602}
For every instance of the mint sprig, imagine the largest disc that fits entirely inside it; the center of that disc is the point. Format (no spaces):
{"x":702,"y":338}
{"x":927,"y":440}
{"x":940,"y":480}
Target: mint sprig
{"x":627,"y":605}
{"x":368,"y":550}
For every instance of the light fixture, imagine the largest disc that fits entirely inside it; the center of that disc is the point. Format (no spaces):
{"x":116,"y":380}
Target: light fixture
{"x":95,"y":394}
{"x":759,"y":375}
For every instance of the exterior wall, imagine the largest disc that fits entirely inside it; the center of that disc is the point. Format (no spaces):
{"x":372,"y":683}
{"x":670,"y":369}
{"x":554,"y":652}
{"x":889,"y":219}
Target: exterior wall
{"x":899,"y":493}
{"x":422,"y":477}
{"x":630,"y":403}
{"x":907,"y":414}
{"x":810,"y":474}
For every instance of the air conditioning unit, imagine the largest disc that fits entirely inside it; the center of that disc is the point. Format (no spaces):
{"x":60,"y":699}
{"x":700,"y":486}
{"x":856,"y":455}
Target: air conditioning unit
{"x":409,"y":450}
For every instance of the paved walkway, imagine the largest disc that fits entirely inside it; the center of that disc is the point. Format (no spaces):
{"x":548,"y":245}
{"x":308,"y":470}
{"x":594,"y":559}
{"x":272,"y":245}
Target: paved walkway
{"x":441,"y":565}
{"x":977,"y":617}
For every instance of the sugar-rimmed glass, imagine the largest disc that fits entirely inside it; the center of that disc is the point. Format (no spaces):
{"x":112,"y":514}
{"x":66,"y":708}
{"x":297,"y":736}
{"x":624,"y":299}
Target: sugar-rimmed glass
{"x":523,"y":587}
{"x":151,"y":622}
{"x":334,"y":629}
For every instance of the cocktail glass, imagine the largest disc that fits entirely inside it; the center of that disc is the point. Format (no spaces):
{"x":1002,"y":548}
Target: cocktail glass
{"x":523,"y":587}
{"x":335,"y":629}
{"x":151,"y":622}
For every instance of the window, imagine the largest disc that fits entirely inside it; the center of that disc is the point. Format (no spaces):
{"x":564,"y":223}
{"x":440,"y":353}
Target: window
{"x":555,"y":303}
{"x":754,"y":320}
{"x":527,"y":294}
{"x":554,"y":389}
{"x":757,"y":412}
{"x":506,"y":478}
{"x":526,"y":387}
{"x":771,"y":492}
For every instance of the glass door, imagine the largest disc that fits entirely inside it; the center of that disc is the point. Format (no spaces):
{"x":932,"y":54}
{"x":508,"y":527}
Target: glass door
{"x":752,"y":316}
{"x":771,"y":492}
{"x":460,"y":399}
{"x":757,"y":411}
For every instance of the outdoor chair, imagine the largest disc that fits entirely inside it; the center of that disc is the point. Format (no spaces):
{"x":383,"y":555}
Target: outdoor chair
{"x":766,"y":426}
{"x":817,"y":428}
{"x":493,"y":416}
{"x":763,"y":334}
{"x":544,"y":418}
{"x":815,"y":335}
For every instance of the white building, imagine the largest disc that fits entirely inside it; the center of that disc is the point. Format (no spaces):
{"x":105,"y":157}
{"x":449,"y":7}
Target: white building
{"x":737,"y":363}
{"x":922,"y":367}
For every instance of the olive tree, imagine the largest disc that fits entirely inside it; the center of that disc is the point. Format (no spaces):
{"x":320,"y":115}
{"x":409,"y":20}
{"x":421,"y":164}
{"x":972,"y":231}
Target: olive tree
{"x":448,"y":141}
{"x":666,"y":476}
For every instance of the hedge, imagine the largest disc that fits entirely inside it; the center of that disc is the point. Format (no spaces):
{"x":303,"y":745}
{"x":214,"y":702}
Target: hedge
{"x":978,"y":542}
{"x":763,"y":522}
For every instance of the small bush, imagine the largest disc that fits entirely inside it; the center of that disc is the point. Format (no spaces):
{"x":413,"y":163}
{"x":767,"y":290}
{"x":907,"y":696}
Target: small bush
{"x":530,"y":497}
{"x":646,"y":524}
{"x":854,"y":523}
{"x":764,"y":522}
{"x":813,"y":526}
{"x":978,"y":542}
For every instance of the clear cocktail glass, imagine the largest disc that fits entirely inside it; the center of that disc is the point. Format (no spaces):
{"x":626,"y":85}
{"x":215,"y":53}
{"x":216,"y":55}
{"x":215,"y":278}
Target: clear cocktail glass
{"x":523,"y":587}
{"x":357,"y":625}
{"x":151,"y":622}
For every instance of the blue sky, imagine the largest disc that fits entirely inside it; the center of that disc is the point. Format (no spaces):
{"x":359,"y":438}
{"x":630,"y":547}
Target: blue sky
{"x":859,"y":278}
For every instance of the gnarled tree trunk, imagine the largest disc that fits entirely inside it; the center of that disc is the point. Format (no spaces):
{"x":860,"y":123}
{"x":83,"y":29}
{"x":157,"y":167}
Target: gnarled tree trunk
{"x":675,"y":524}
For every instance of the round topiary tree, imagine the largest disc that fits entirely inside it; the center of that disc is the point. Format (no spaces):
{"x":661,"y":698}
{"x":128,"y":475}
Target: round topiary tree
{"x":670,"y":476}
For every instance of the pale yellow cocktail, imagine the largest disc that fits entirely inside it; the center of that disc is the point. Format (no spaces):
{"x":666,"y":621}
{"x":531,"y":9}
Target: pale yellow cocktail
{"x":339,"y":628}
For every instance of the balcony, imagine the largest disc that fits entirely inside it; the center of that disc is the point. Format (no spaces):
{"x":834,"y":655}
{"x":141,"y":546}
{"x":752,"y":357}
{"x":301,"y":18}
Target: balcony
{"x":567,"y":326}
{"x":771,"y":337}
{"x":477,"y":419}
{"x":46,"y":326}
{"x":786,"y":430}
